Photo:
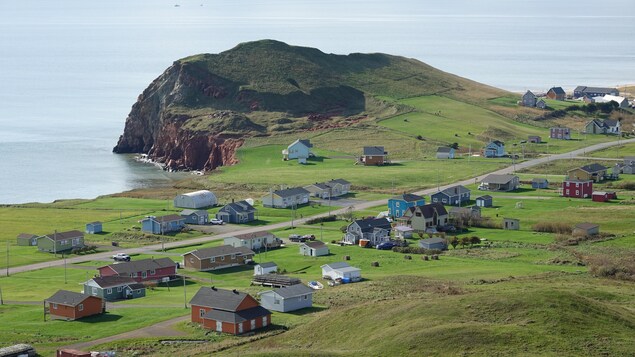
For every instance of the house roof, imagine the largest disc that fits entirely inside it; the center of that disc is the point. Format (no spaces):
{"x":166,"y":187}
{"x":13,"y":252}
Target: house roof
{"x":142,"y":265}
{"x":403,"y":229}
{"x":252,"y":236}
{"x":320,"y":185}
{"x":591,"y":168}
{"x":511,"y":219}
{"x":112,"y":280}
{"x":168,"y":218}
{"x":444,"y":149}
{"x":533,"y":137}
{"x":237,"y":317}
{"x":577,"y":181}
{"x":432,"y":240}
{"x":347,"y":269}
{"x":293,"y":291}
{"x":369,"y":224}
{"x":67,"y":298}
{"x":217,"y":298}
{"x":586,"y":89}
{"x":484,"y":197}
{"x":600,"y":193}
{"x":498,"y":179}
{"x":340,"y":181}
{"x":65,"y":235}
{"x":611,"y":122}
{"x":305,"y":142}
{"x":529,"y":92}
{"x":268,"y":265}
{"x":428,"y":210}
{"x":539,"y":180}
{"x":374,"y":151}
{"x":336,"y":265}
{"x":27,"y":236}
{"x":586,"y":225}
{"x":315,"y":244}
{"x":408,"y":197}
{"x":557,"y":90}
{"x":94,"y":223}
{"x":291,"y":192}
{"x":456,"y":190}
{"x":220,"y":251}
{"x":198,"y":212}
{"x":240,"y":207}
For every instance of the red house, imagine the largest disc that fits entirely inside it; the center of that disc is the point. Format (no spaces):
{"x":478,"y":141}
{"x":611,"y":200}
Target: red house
{"x":577,"y":188}
{"x":228,"y":311}
{"x":602,"y":196}
{"x":68,"y":305}
{"x":155,"y":270}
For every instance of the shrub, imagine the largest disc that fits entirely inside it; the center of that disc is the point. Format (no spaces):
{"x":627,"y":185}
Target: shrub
{"x":331,"y":218}
{"x":607,"y":266}
{"x":343,"y":229}
{"x":486,"y":222}
{"x":625,"y":185}
{"x":552,"y":227}
{"x":415,"y":250}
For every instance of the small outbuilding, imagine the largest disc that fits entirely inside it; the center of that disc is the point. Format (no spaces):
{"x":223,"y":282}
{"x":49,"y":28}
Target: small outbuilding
{"x":93,"y":227}
{"x":434,"y":243}
{"x":265,"y":268}
{"x":403,"y":232}
{"x":511,"y":224}
{"x":289,"y":298}
{"x":586,"y":229}
{"x":538,"y":183}
{"x":534,"y":139}
{"x":198,"y":217}
{"x":445,"y":152}
{"x":342,"y":271}
{"x":485,"y":201}
{"x":26,"y":239}
{"x":314,"y":249}
{"x":196,"y":199}
{"x":600,"y":196}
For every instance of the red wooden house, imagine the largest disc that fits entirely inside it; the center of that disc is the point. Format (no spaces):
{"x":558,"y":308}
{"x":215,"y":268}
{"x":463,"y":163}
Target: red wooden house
{"x":577,"y":188}
{"x":603,"y":196}
{"x":154,"y":270}
{"x":228,"y":311}
{"x":68,"y":305}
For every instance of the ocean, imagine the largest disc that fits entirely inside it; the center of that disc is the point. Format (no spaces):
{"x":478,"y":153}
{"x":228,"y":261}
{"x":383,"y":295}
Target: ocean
{"x":71,"y":70}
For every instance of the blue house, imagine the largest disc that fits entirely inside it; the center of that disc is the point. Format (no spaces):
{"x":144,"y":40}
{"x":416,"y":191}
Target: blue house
{"x":299,"y":149}
{"x":193,"y":216}
{"x":539,"y":183}
{"x":453,"y":196}
{"x":237,"y":212}
{"x":398,"y":205}
{"x":111,"y":288}
{"x":494,"y":149}
{"x":163,"y":224}
{"x":484,"y":201}
{"x":93,"y":227}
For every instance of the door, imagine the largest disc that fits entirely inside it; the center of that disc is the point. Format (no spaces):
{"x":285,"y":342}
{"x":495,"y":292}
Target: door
{"x":264,"y":321}
{"x":219,"y":326}
{"x":253,"y":324}
{"x":240,"y":328}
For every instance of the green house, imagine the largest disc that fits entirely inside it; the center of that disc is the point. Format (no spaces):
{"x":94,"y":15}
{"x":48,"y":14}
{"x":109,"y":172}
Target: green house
{"x":60,"y":241}
{"x":26,"y":239}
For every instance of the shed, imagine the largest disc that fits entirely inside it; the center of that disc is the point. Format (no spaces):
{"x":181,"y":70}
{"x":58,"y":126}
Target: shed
{"x":434,"y":243}
{"x":485,"y":201}
{"x":511,"y":224}
{"x":343,"y":271}
{"x":93,"y":227}
{"x":539,"y":183}
{"x":314,"y":249}
{"x":600,"y":196}
{"x":196,"y":199}
{"x":445,"y":152}
{"x":403,"y":232}
{"x":192,"y":216}
{"x":26,"y":239}
{"x":586,"y":229}
{"x":289,"y":298}
{"x":265,"y":268}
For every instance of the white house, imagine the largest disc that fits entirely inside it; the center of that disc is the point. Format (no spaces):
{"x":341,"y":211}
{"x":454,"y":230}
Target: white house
{"x":299,"y":149}
{"x":314,"y":249}
{"x":196,"y":199}
{"x":265,"y":268}
{"x":343,"y":271}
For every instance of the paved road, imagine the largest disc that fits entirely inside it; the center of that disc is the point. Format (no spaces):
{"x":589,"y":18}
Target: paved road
{"x":364,"y":205}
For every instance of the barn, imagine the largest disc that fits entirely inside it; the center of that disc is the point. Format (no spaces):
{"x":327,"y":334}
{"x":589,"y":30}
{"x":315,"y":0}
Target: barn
{"x":196,"y":199}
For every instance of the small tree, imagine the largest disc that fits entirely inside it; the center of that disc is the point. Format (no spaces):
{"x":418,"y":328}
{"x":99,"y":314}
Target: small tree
{"x":465,"y":241}
{"x":475,"y":240}
{"x":454,"y":242}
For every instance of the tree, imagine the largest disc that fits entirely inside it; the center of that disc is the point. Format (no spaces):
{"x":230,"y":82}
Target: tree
{"x":475,"y":240}
{"x":454,"y":242}
{"x":465,"y":241}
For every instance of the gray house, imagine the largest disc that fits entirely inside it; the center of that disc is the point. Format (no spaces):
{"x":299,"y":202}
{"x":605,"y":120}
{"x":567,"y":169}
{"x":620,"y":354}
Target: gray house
{"x":237,"y":212}
{"x":163,"y":224}
{"x":111,"y":288}
{"x":445,"y":152}
{"x":495,"y":182}
{"x":26,"y":239}
{"x":61,"y":242}
{"x":453,"y":196}
{"x":314,"y":249}
{"x":339,"y":187}
{"x":265,"y":268}
{"x":192,"y":216}
{"x":93,"y":227}
{"x":319,"y":189}
{"x":290,"y":197}
{"x":195,"y":200}
{"x":485,"y":201}
{"x":537,"y":182}
{"x":375,"y":230}
{"x":341,"y":270}
{"x":434,"y":243}
{"x":511,"y":224}
{"x":289,"y":298}
{"x":528,"y":99}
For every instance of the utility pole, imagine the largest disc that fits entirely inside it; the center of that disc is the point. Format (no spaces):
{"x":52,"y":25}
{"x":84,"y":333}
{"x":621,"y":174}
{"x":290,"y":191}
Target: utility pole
{"x":7,"y":258}
{"x":65,"y":276}
{"x":321,"y":226}
{"x":184,"y":292}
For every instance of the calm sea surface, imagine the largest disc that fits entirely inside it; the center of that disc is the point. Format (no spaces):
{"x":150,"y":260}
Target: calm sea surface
{"x":71,"y":70}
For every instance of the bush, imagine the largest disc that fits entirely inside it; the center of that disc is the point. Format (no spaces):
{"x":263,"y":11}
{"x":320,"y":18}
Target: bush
{"x":552,"y":227}
{"x":415,"y":250}
{"x":486,"y":222}
{"x":625,"y":185}
{"x":331,"y":218}
{"x":607,"y":266}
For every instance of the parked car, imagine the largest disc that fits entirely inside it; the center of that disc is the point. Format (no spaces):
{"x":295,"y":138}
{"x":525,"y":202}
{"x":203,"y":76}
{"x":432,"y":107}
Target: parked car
{"x":309,"y":237}
{"x":297,"y":238}
{"x":216,"y":221}
{"x":386,"y":245}
{"x":121,"y":257}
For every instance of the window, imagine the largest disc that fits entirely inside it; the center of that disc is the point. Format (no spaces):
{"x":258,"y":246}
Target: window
{"x":109,"y":291}
{"x":192,"y":260}
{"x":222,"y":258}
{"x":54,"y":306}
{"x":80,"y":307}
{"x":577,"y":192}
{"x":306,"y":297}
{"x":138,"y":291}
{"x":418,"y":214}
{"x":233,"y":256}
{"x":144,"y":274}
{"x":212,"y":260}
{"x":276,"y":301}
{"x":152,"y":272}
{"x":201,"y":312}
{"x":119,"y":288}
{"x":132,"y":275}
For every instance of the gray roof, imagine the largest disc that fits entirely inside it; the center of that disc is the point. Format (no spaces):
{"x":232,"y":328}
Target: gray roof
{"x":340,"y":181}
{"x":428,"y":210}
{"x":268,"y":265}
{"x":432,"y":240}
{"x":444,"y":149}
{"x":496,"y":142}
{"x":293,"y":291}
{"x":337,"y":265}
{"x":498,"y":179}
{"x":142,"y":265}
{"x":557,"y":90}
{"x":65,"y":235}
{"x":168,"y":218}
{"x":251,"y":236}
{"x":238,"y":316}
{"x":591,"y":168}
{"x":374,"y":151}
{"x":315,"y":244}
{"x":369,"y":224}
{"x":219,"y":251}
{"x":94,"y":223}
{"x":408,"y":197}
{"x":320,"y":185}
{"x":27,"y":236}
{"x":112,"y":280}
{"x":291,"y":192}
{"x":539,"y":180}
{"x":484,"y":197}
{"x":198,"y":212}
{"x":456,"y":190}
{"x":68,"y":298}
{"x":586,"y":89}
{"x":305,"y":142}
{"x":217,"y":298}
{"x":586,"y":225}
{"x":239,"y":207}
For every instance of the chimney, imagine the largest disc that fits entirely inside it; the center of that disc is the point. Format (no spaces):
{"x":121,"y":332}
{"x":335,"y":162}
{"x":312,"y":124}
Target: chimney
{"x":235,"y":291}
{"x":232,"y":200}
{"x":214,"y":288}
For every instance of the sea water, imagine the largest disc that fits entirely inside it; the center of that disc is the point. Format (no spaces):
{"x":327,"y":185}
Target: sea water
{"x":71,"y":70}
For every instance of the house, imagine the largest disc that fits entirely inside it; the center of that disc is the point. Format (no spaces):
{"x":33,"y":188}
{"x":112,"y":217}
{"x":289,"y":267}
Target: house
{"x":434,"y":243}
{"x":374,"y":155}
{"x":541,"y":104}
{"x":399,"y":204}
{"x":68,"y":305}
{"x":196,"y":199}
{"x":621,"y":101}
{"x":341,"y":270}
{"x":511,"y":224}
{"x":586,"y":229}
{"x":299,"y":149}
{"x":628,"y":167}
{"x":494,"y":149}
{"x":445,"y":152}
{"x":403,"y":232}
{"x":237,"y":212}
{"x":600,"y":196}
{"x":537,"y":183}
{"x":594,"y":172}
{"x":199,"y":217}
{"x":375,"y":230}
{"x":339,"y":187}
{"x":453,"y":196}
{"x":560,"y":133}
{"x":162,"y":224}
{"x":314,"y":249}
{"x":254,"y":241}
{"x":485,"y":201}
{"x":61,"y":241}
{"x":224,"y":256}
{"x":319,"y":189}
{"x":534,"y":139}
{"x":556,"y":93}
{"x":577,"y":188}
{"x":150,"y":270}
{"x":290,"y":197}
{"x":93,"y":227}
{"x":114,"y":287}
{"x":228,"y":311}
{"x":528,"y":99}
{"x":603,"y":126}
{"x":289,"y":298}
{"x":26,"y":239}
{"x":265,"y":268}
{"x":420,"y":218}
{"x":584,"y":91}
{"x":495,"y":182}
{"x":629,"y":160}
